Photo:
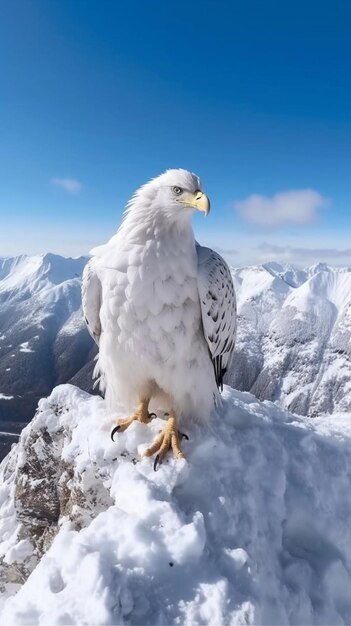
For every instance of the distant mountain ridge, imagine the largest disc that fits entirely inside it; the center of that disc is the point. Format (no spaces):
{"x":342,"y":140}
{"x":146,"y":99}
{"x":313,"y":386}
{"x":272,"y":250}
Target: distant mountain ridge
{"x":43,"y":339}
{"x":294,"y":336}
{"x":293,"y":345}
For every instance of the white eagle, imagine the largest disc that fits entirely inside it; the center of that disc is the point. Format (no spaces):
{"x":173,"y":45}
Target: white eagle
{"x":162,"y":310}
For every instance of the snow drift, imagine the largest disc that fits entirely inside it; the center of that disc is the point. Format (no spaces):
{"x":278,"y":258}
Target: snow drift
{"x":254,"y":528}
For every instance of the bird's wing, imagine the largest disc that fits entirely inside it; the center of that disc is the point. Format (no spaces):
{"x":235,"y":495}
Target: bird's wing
{"x":218,"y":309}
{"x":91,"y":300}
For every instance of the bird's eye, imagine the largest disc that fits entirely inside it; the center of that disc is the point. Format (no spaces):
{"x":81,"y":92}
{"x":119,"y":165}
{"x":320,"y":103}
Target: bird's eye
{"x":176,"y":190}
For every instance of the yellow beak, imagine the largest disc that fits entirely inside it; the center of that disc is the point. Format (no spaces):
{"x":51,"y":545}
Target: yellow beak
{"x":198,"y":200}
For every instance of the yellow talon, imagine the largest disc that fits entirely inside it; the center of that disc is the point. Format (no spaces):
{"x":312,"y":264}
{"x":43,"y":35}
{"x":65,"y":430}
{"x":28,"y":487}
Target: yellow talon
{"x":168,"y":439}
{"x":141,"y":415}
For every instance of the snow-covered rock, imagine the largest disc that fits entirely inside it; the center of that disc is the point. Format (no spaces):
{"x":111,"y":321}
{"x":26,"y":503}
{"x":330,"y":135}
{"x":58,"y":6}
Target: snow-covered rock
{"x":43,"y":339}
{"x":294,"y":337}
{"x":254,"y":528}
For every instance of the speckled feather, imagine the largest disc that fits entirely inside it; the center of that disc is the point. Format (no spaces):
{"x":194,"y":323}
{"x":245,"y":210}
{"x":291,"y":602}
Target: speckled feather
{"x":218,"y":308}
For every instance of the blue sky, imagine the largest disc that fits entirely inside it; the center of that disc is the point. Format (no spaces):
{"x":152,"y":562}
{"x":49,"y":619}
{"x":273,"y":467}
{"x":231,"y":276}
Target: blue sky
{"x":96,"y":97}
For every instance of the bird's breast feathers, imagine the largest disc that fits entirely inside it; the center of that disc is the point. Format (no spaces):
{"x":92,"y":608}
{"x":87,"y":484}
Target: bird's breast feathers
{"x":153,"y":304}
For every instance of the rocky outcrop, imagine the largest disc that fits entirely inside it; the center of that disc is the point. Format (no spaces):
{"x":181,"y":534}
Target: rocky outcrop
{"x":44,"y":490}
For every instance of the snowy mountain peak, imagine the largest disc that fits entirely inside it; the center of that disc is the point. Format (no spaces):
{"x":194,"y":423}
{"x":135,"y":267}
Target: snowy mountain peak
{"x":43,"y":337}
{"x":253,"y":529}
{"x":319,"y":267}
{"x":291,"y":275}
{"x":294,"y":336}
{"x":335,"y":286}
{"x":28,"y":273}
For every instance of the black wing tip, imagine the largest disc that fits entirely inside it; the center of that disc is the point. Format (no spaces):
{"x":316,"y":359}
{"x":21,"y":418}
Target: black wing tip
{"x":219,"y":371}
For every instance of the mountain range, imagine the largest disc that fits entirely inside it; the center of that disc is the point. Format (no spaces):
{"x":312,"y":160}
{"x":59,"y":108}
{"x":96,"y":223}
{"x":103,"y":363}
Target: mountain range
{"x":294,"y":336}
{"x":43,"y":338}
{"x":293,"y":344}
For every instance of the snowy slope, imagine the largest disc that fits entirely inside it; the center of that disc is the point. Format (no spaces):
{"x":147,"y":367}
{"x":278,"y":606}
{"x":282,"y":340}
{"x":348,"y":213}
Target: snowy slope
{"x":254,"y":530}
{"x":43,"y":339}
{"x":294,"y":337}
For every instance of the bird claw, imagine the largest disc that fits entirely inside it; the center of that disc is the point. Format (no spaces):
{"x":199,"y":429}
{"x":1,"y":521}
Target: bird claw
{"x":114,"y":431}
{"x":140,"y":416}
{"x":168,"y":439}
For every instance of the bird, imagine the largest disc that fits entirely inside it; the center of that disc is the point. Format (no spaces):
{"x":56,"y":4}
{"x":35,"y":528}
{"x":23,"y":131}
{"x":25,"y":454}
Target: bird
{"x":162,"y":310}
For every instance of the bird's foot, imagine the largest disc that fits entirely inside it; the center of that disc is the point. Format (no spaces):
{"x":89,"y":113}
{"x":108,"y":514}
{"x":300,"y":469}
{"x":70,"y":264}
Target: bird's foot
{"x":141,"y":415}
{"x":168,"y":439}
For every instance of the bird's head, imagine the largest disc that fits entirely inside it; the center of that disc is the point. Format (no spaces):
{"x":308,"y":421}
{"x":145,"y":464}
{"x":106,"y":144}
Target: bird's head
{"x":175,"y":194}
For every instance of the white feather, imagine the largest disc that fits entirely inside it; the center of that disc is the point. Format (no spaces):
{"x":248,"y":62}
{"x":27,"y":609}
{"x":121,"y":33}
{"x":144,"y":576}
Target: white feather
{"x":152,"y":323}
{"x":91,"y":300}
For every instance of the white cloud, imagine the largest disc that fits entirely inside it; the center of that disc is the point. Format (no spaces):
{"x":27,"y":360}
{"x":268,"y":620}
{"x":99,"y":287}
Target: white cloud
{"x":298,"y":206}
{"x":68,"y":184}
{"x":272,"y":252}
{"x":228,"y":251}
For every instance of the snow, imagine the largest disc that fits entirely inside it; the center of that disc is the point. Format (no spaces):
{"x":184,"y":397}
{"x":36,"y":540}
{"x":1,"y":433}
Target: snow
{"x":252,"y":529}
{"x":24,"y":268}
{"x":73,"y":325}
{"x":33,"y":273}
{"x":24,"y":347}
{"x":43,"y":335}
{"x":20,"y":551}
{"x":294,"y":336}
{"x":3,"y":432}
